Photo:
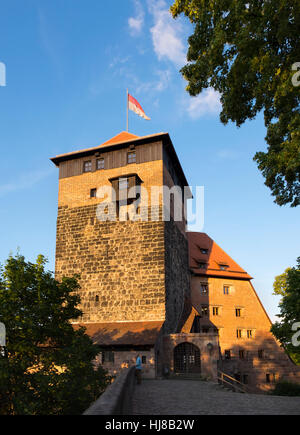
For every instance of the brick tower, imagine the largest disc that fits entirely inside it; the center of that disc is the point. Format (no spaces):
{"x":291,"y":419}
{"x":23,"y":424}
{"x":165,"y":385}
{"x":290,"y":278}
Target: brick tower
{"x":134,"y":274}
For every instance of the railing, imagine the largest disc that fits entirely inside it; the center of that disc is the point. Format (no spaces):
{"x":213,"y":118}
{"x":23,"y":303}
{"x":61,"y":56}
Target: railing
{"x":232,"y":383}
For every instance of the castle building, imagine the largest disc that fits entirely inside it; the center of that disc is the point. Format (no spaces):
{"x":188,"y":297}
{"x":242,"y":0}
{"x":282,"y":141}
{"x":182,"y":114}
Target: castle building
{"x":147,"y":285}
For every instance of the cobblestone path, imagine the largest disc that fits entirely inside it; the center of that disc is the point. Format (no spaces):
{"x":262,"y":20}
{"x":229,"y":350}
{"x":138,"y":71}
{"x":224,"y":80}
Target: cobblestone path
{"x":185,"y":397}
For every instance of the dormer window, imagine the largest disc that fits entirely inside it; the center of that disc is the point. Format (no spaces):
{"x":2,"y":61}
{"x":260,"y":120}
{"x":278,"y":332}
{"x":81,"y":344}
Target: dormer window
{"x":126,"y":188}
{"x":204,"y":251}
{"x":223,"y":266}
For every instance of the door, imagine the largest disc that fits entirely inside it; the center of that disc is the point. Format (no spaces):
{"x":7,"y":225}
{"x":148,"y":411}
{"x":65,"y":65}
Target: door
{"x":187,"y":358}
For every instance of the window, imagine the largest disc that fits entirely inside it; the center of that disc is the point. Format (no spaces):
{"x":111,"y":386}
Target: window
{"x":87,"y":166}
{"x":144,"y":359}
{"x":108,"y":356}
{"x":227,"y":354}
{"x":226,"y":290}
{"x":241,"y":354}
{"x":270,"y":378}
{"x":97,"y":300}
{"x":123,"y":183}
{"x":238,"y":333}
{"x":216,"y":311}
{"x":201,"y":264}
{"x":249,"y":333}
{"x":205,"y":330}
{"x":245,"y":379}
{"x":204,"y":289}
{"x":126,"y":188}
{"x":238,"y":312}
{"x":205,"y":311}
{"x":100,"y":163}
{"x":131,"y":157}
{"x":223,"y":266}
{"x":93,"y":193}
{"x":204,"y":251}
{"x":261,"y":354}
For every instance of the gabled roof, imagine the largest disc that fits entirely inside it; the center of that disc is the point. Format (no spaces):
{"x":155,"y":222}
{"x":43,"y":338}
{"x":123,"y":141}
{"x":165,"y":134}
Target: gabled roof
{"x":123,"y":333}
{"x":214,"y":259}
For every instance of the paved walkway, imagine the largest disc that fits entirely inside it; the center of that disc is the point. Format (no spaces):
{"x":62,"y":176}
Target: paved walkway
{"x":180,"y":397}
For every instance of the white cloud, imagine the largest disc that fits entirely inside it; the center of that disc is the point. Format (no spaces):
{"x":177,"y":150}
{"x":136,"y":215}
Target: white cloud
{"x":159,"y":84}
{"x":136,"y":23}
{"x":166,"y":33}
{"x":207,"y":103}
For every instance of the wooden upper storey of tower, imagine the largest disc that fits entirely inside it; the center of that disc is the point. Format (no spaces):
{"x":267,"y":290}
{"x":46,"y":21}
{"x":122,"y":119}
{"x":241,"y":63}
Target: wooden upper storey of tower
{"x":120,"y":151}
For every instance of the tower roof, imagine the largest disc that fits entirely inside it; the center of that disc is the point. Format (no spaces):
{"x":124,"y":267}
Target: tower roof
{"x":122,"y":140}
{"x":208,"y":259}
{"x":124,"y":136}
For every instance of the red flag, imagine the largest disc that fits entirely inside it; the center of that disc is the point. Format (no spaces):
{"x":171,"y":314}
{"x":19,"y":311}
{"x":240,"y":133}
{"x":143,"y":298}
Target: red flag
{"x":135,"y":106}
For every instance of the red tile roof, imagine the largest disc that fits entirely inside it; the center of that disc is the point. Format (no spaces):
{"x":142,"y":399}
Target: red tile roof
{"x":213,"y":260}
{"x":124,"y":136}
{"x":123,"y":333}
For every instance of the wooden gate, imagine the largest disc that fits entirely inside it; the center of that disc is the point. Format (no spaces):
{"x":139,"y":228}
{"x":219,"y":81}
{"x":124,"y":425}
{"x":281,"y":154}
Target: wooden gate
{"x":187,"y":358}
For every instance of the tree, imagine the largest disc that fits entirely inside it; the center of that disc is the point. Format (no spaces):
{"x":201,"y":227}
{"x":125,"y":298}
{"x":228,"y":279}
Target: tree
{"x":287,"y":285}
{"x":248,"y":51}
{"x":47,"y":366}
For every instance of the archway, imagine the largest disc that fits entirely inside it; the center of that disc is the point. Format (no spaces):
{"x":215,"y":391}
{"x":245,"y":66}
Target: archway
{"x":187,"y":358}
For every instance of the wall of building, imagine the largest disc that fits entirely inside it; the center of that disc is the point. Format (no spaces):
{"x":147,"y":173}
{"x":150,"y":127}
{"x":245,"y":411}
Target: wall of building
{"x":262,"y":353}
{"x":126,"y":359}
{"x":176,"y":260}
{"x":122,"y":263}
{"x":209,"y":358}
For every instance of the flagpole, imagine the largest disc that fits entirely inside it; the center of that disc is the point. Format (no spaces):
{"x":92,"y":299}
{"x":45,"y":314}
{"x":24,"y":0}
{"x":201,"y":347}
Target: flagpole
{"x":127,"y":110}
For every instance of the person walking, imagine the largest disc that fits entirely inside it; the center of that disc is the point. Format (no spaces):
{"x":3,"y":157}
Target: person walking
{"x":138,"y":369}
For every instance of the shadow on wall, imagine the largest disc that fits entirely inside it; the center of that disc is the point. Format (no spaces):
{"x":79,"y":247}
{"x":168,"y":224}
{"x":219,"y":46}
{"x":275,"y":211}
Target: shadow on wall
{"x":260,"y":363}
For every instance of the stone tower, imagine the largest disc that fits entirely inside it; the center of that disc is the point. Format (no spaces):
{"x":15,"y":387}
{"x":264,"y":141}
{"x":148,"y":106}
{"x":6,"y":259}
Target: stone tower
{"x":134,"y":273}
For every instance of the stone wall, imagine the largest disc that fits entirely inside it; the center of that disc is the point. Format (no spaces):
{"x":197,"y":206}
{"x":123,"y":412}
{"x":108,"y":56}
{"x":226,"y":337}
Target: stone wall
{"x":117,"y":398}
{"x":177,"y":276}
{"x":121,"y":265}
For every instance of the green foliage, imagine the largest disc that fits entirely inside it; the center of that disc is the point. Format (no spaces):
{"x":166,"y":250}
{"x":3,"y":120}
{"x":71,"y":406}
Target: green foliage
{"x":280,"y":283}
{"x":284,"y":388}
{"x":288,"y":285}
{"x":245,"y":50}
{"x":47,"y":366}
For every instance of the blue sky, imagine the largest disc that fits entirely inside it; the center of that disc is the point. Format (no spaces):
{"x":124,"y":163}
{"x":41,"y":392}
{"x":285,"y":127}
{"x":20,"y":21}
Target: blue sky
{"x":68,"y":65}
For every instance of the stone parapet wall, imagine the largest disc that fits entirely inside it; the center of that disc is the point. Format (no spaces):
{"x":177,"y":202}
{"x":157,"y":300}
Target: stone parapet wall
{"x":117,"y":398}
